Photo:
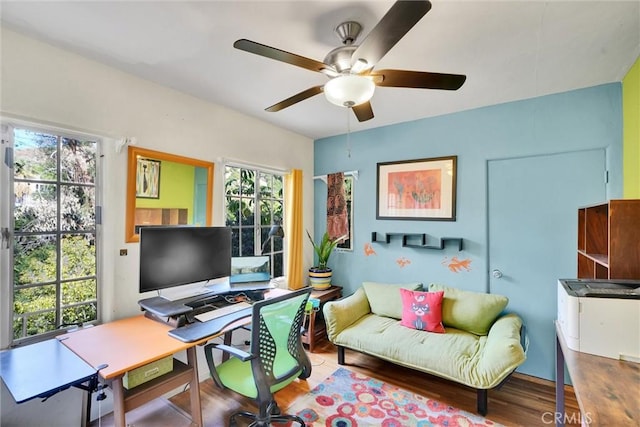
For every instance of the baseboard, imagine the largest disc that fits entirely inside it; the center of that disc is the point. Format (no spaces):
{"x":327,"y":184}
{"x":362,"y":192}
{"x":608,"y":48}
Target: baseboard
{"x":541,"y":381}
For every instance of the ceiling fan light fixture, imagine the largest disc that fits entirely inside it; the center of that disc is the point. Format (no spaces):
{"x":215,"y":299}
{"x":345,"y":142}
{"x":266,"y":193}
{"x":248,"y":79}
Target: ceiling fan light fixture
{"x":349,"y":90}
{"x":359,"y":66}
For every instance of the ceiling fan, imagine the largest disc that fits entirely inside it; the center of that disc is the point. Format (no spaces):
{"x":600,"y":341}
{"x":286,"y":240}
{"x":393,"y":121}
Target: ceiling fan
{"x":350,"y":67}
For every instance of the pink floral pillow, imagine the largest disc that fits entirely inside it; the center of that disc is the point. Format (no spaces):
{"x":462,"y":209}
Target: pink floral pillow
{"x":422,"y":310}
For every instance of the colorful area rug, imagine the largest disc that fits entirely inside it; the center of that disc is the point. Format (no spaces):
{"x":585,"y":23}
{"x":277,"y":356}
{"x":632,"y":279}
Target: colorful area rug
{"x":349,"y":399}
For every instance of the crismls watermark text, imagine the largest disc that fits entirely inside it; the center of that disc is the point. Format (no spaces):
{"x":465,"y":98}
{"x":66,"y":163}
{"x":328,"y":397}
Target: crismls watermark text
{"x":574,"y":418}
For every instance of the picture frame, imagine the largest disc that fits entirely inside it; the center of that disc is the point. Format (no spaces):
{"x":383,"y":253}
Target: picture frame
{"x":421,"y":189}
{"x":147,"y":178}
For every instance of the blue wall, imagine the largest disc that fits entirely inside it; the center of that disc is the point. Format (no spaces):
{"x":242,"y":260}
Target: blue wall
{"x":572,"y":121}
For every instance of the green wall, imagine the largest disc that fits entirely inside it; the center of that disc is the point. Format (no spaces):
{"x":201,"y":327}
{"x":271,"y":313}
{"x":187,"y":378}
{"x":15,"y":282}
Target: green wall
{"x":631,"y":132}
{"x":176,"y":188}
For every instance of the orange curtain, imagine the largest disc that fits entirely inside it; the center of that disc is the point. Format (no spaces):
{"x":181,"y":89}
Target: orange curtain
{"x":293,"y":228}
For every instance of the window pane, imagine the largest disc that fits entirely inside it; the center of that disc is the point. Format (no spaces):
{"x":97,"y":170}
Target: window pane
{"x":78,"y":256}
{"x":77,"y":205}
{"x":235,"y":241}
{"x":34,"y":259}
{"x":248,"y":242}
{"x":233,"y":211}
{"x":278,"y":187}
{"x":276,"y":212}
{"x":36,"y":324}
{"x":265,"y":212}
{"x":78,"y":161}
{"x":246,"y":209}
{"x":34,"y":298}
{"x":35,"y":155}
{"x":232,"y":181}
{"x":247,"y":178}
{"x":35,"y":207}
{"x":79,"y":314}
{"x":277,"y":244}
{"x":265,"y":185}
{"x":264,"y":235}
{"x":278,"y":268}
{"x":79,"y":291}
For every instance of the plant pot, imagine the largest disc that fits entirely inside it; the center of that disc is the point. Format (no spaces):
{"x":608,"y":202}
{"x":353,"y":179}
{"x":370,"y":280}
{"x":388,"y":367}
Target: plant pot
{"x":320,"y":278}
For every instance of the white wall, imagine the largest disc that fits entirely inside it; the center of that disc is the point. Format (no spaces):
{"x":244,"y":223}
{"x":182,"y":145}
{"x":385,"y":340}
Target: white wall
{"x":42,"y":83}
{"x":46,"y":85}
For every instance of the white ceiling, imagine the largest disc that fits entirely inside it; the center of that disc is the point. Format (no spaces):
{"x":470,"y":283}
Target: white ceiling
{"x":509,"y":50}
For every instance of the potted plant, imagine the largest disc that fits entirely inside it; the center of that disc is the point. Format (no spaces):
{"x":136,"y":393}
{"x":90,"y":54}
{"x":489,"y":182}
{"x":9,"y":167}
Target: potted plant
{"x":320,"y":275}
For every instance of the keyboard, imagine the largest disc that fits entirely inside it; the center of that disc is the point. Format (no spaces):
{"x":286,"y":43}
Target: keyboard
{"x":198,"y":330}
{"x":222,"y":311}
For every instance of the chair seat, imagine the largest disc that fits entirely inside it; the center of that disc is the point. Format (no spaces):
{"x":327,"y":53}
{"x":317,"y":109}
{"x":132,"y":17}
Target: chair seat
{"x":237,"y":376}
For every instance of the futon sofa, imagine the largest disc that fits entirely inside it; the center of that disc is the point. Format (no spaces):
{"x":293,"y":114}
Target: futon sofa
{"x":477,"y":345}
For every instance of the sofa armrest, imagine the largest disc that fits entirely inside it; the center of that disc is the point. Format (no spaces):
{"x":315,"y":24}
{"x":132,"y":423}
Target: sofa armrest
{"x":503,"y":351}
{"x":342,"y":313}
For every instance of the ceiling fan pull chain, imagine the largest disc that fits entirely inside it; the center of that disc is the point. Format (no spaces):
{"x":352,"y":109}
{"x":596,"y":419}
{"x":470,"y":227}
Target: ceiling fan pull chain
{"x":348,"y":132}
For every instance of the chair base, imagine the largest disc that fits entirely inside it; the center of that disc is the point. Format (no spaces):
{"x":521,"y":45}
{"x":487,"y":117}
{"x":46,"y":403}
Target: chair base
{"x":257,"y":422}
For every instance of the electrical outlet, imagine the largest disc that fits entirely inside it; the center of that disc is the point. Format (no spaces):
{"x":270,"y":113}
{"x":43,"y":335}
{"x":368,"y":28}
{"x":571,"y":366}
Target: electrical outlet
{"x":123,"y":252}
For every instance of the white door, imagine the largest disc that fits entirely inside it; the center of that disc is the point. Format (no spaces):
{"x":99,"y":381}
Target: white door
{"x":533,"y":203}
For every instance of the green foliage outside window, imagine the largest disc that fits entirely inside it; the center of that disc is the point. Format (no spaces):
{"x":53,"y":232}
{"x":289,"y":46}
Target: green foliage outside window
{"x":54,"y":246}
{"x":253,"y":199}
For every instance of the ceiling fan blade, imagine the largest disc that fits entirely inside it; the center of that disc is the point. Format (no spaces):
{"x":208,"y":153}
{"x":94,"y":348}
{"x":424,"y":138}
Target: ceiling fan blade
{"x":397,"y":22}
{"x":363,"y":111}
{"x":281,"y":55}
{"x":419,"y":79}
{"x":312,"y":91}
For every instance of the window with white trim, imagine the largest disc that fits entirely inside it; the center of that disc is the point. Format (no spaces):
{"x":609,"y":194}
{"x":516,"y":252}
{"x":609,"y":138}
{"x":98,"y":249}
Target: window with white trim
{"x":51,"y":237}
{"x":254,"y":204}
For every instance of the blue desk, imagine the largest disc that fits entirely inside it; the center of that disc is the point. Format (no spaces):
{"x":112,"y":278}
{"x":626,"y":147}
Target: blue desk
{"x":42,"y":370}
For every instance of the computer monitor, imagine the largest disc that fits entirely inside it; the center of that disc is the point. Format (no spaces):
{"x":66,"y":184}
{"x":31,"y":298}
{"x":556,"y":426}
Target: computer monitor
{"x":178,"y":256}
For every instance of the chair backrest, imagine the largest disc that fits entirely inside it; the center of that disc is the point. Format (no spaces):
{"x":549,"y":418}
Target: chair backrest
{"x":276,"y":339}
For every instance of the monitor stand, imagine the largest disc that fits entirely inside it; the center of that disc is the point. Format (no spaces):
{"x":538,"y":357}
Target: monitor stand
{"x":173,"y":301}
{"x":195,"y":290}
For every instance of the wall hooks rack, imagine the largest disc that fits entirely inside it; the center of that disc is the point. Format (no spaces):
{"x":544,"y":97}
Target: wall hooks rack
{"x":410,"y":240}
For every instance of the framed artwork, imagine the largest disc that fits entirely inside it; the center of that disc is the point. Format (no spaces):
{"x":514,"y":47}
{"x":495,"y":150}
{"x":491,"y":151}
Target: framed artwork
{"x":422,"y":189}
{"x":147,"y":179}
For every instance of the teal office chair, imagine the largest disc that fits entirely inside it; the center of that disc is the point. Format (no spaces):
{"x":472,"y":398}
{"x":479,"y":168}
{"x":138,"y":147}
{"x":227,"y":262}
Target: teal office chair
{"x":275,"y":358}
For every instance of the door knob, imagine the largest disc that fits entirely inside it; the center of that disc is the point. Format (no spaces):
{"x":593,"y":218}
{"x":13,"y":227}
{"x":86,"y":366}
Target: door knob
{"x":496,"y":274}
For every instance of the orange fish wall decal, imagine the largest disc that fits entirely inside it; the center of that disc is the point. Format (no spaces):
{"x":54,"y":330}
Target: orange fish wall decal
{"x":456,"y":265}
{"x":368,"y":250}
{"x":403,"y":262}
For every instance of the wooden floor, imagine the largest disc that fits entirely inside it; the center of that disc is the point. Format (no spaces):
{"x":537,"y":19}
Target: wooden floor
{"x":522,"y":400}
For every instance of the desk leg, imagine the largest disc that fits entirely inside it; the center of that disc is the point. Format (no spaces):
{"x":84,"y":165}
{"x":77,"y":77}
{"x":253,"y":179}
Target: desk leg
{"x":194,"y":387}
{"x":227,"y":341}
{"x":118,"y":402}
{"x":311,"y":333}
{"x":559,"y":415}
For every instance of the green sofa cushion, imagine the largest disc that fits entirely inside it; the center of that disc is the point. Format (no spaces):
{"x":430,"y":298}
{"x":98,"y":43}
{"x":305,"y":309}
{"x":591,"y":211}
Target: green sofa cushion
{"x":476,"y":361}
{"x":469,"y":311}
{"x":384,"y":298}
